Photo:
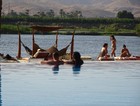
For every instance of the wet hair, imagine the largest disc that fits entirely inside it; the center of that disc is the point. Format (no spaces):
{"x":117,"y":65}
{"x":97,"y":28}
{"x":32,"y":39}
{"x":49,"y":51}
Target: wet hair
{"x":105,"y":44}
{"x":77,"y":59}
{"x":124,"y":45}
{"x":76,"y":55}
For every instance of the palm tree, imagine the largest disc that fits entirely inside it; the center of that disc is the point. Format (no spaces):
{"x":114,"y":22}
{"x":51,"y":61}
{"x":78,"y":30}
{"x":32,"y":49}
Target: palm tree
{"x":50,"y":13}
{"x":27,"y":12}
{"x":62,"y":13}
{"x":42,"y":14}
{"x":12,"y":13}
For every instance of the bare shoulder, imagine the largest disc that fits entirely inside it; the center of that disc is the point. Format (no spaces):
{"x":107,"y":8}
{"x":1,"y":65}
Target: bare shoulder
{"x":50,"y":62}
{"x":68,"y":61}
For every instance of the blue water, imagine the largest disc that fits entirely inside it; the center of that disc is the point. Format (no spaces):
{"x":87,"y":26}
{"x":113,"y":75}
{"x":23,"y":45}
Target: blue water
{"x":86,"y":45}
{"x":97,"y":83}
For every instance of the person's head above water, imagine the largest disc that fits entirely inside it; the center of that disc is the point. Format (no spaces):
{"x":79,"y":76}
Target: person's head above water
{"x":77,"y":59}
{"x":76,"y":55}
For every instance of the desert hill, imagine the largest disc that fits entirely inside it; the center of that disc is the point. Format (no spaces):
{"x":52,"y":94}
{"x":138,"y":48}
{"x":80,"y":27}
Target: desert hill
{"x":89,"y":8}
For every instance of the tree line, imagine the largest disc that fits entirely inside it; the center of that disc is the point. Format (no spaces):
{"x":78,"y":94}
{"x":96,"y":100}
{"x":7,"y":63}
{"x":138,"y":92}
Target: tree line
{"x":50,"y":13}
{"x":111,"y":25}
{"x":63,"y":14}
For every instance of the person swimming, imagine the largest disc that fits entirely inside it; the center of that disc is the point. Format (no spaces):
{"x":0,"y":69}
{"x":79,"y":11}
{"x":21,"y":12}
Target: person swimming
{"x":76,"y":61}
{"x":54,"y":61}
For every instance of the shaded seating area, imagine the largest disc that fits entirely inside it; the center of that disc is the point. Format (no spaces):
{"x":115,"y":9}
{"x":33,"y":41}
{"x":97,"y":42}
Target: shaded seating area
{"x":28,"y":50}
{"x":42,"y":53}
{"x":63,"y":50}
{"x":37,"y":51}
{"x":52,"y":49}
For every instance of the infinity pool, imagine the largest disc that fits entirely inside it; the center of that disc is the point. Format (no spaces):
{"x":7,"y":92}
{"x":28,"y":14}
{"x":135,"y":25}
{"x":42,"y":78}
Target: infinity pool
{"x":95,"y":84}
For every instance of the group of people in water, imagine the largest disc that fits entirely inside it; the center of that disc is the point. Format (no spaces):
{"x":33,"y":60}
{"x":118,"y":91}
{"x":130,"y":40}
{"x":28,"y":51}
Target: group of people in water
{"x":104,"y":51}
{"x":55,"y":61}
{"x":77,"y":61}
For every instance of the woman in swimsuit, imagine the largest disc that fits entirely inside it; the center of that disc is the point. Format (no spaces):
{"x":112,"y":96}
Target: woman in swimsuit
{"x":113,"y":45}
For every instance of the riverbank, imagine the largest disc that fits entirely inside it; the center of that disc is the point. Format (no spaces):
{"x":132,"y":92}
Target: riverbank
{"x":12,"y":29}
{"x":82,"y":26}
{"x":83,"y":33}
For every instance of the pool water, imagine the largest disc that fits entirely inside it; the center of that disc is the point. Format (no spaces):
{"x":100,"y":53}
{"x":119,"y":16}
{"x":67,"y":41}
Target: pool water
{"x":95,"y":84}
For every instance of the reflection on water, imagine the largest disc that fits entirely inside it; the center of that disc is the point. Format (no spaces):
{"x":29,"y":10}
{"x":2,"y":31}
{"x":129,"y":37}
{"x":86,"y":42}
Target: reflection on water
{"x":55,"y":69}
{"x":93,"y":84}
{"x":76,"y":69}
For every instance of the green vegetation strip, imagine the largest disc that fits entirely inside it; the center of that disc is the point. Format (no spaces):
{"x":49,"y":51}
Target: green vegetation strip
{"x":83,"y":26}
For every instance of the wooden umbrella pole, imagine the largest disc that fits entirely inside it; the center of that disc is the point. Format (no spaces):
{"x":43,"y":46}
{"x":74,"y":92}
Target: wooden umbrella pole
{"x":33,"y":42}
{"x":19,"y":44}
{"x":72,"y":45}
{"x":56,"y":42}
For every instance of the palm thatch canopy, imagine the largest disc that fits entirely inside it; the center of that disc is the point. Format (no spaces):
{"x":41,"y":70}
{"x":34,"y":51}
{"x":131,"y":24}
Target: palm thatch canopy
{"x":46,"y":28}
{"x":36,"y":47}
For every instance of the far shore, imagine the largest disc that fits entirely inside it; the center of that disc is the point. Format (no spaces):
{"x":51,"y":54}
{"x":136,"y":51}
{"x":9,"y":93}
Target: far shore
{"x":86,"y":33}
